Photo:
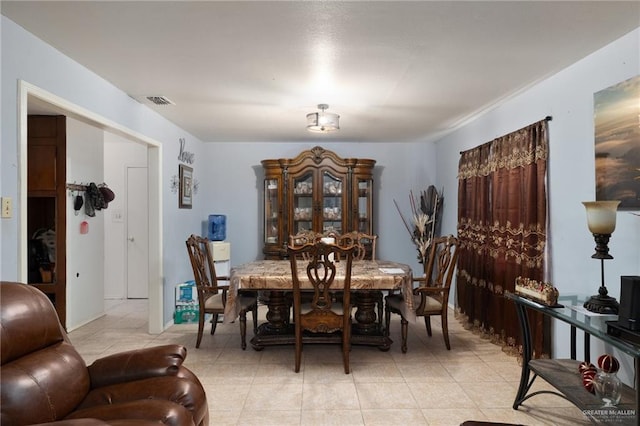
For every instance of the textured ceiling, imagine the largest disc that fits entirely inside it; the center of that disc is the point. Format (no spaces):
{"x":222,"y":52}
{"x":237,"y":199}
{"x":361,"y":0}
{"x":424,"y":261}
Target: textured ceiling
{"x":394,"y":71}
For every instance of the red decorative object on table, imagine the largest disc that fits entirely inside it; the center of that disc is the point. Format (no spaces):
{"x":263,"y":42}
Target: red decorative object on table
{"x":585,"y":366}
{"x":608,"y":363}
{"x":588,"y":378}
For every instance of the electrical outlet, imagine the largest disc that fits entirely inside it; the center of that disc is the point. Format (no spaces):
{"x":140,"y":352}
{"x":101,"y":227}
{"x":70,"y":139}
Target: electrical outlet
{"x":7,"y":207}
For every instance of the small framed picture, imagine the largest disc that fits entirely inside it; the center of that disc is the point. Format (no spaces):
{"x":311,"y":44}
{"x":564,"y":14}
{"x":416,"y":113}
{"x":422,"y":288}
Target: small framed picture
{"x":185,"y":196}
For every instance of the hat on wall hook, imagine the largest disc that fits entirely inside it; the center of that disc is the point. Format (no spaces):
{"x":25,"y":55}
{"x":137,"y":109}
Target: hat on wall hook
{"x":78,"y":202}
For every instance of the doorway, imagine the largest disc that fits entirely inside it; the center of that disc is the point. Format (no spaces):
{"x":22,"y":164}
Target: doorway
{"x":34,"y":96}
{"x":137,"y":258}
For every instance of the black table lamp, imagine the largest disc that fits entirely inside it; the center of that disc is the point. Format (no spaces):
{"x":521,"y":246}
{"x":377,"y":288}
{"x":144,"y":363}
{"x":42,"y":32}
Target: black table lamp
{"x":601,"y":218}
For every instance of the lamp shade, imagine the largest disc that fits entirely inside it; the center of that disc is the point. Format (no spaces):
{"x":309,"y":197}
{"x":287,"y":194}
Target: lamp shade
{"x":601,"y":216}
{"x":323,"y":122}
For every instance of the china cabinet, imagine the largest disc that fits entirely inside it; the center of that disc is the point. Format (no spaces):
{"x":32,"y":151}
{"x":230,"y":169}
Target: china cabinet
{"x":319,"y":191}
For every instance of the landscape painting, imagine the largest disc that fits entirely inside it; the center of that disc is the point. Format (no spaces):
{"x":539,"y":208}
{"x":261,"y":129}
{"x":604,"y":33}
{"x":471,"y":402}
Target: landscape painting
{"x":617,"y":143}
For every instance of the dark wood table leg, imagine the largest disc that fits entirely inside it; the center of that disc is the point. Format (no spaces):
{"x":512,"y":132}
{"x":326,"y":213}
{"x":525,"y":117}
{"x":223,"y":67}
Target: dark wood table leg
{"x":365,"y":315}
{"x":278,"y":312}
{"x":277,"y":330}
{"x":366,"y":329}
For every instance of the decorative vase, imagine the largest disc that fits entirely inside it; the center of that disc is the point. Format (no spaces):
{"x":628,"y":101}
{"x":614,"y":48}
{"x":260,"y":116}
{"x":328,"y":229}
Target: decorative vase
{"x":608,"y":388}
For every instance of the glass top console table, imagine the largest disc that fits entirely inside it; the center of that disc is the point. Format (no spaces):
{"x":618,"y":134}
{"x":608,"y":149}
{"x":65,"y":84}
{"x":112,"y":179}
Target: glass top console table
{"x":563,"y":374}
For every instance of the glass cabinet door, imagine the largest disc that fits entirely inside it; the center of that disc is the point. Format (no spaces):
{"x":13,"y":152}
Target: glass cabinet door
{"x":271,"y":212}
{"x":364,"y":191}
{"x":302,"y":203}
{"x":333,"y":204}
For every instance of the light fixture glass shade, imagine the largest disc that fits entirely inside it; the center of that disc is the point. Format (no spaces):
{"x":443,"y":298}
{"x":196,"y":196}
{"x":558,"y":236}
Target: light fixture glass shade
{"x":323,"y":122}
{"x":601,"y":216}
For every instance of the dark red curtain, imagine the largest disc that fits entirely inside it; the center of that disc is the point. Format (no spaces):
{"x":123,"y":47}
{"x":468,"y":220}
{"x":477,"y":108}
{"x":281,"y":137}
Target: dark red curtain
{"x":502,"y":205}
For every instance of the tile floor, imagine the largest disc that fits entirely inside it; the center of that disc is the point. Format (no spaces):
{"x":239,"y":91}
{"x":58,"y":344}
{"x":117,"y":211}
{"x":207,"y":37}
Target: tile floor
{"x":426,"y":386}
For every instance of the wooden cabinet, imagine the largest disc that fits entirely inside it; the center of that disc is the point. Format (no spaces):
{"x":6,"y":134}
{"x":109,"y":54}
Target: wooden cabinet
{"x":319,"y":191}
{"x":46,"y":207}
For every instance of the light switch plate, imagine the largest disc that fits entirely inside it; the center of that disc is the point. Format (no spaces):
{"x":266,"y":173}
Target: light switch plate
{"x":116,"y":215}
{"x":7,"y":207}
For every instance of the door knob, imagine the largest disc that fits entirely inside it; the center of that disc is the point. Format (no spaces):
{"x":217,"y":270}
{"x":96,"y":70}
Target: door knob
{"x":130,"y":239}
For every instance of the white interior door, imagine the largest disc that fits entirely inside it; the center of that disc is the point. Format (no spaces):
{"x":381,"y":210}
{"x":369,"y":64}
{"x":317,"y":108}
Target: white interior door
{"x":137,"y":233}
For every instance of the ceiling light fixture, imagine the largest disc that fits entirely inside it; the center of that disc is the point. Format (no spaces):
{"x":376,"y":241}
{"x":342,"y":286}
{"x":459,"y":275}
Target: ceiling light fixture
{"x":323,"y":122}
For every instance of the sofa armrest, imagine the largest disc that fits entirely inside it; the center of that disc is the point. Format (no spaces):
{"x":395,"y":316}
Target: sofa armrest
{"x":137,"y":364}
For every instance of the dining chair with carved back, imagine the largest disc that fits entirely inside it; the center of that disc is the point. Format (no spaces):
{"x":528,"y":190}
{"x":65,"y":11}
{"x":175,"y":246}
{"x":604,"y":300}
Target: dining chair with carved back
{"x":323,"y":315}
{"x":365,"y":250}
{"x":212,"y":295}
{"x":431,"y":297}
{"x":365,"y":244}
{"x":311,"y":237}
{"x":303,"y":237}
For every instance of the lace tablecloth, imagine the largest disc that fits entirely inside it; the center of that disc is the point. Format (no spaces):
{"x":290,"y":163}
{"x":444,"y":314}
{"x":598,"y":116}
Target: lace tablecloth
{"x":276,"y":275}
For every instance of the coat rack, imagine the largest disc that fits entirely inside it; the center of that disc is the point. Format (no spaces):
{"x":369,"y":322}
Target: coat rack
{"x":91,"y":198}
{"x":82,"y":186}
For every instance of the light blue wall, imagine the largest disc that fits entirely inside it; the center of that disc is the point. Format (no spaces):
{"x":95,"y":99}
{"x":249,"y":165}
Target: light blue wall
{"x":233,"y":182}
{"x":568,"y":98}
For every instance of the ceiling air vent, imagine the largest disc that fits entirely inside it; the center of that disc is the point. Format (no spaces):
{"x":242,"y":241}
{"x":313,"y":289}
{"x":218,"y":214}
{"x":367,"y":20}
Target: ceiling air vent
{"x":160,"y":100}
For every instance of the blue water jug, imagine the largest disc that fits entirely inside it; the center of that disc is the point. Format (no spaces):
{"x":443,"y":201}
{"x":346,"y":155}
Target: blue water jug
{"x":217,"y":227}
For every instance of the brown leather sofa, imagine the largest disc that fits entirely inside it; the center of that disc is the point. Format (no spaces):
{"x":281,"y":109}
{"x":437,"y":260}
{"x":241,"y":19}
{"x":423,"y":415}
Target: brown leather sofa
{"x":43,"y":379}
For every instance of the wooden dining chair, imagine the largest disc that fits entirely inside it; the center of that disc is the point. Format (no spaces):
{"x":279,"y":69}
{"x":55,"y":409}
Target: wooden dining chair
{"x":304,"y":237}
{"x":431,"y":297}
{"x":366,"y":244}
{"x":322,"y":315}
{"x":211,"y":295}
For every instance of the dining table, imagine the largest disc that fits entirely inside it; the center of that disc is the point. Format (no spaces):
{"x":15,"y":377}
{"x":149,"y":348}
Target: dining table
{"x":273,"y":280}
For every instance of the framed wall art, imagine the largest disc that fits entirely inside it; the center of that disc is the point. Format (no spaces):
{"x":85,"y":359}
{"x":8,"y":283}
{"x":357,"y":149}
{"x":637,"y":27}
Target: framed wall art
{"x":185,"y":193}
{"x":617,"y":143}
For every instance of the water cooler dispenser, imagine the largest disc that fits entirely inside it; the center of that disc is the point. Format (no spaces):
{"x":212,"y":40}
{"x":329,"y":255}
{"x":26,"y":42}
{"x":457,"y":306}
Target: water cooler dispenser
{"x":217,"y":229}
{"x":220,"y":250}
